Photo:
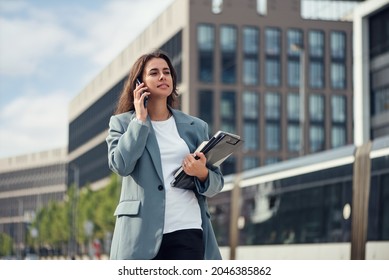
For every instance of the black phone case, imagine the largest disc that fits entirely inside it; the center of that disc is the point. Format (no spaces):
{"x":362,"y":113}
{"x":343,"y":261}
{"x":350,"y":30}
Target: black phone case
{"x":138,"y":81}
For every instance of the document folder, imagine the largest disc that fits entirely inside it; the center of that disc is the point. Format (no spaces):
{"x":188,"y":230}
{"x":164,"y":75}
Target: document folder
{"x":216,"y":150}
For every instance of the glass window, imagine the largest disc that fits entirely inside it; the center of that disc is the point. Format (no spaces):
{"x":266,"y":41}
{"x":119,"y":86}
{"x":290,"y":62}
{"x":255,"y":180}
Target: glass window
{"x":250,"y":162}
{"x":228,"y":38}
{"x":205,"y":107}
{"x":338,"y":136}
{"x":378,"y":219}
{"x":338,"y":108}
{"x":273,"y":136}
{"x":273,"y":41}
{"x":293,"y":137}
{"x":228,"y":72}
{"x":250,"y":55}
{"x":316,"y":108}
{"x":294,"y":38}
{"x":273,"y":106}
{"x":228,"y":111}
{"x":316,"y":136}
{"x":250,"y":40}
{"x":316,"y":43}
{"x":250,"y":125}
{"x":229,"y":166}
{"x":338,"y":75}
{"x":250,"y":135}
{"x":206,"y":45}
{"x":293,"y":107}
{"x":310,"y":207}
{"x":273,"y":72}
{"x":379,"y":33}
{"x":293,"y":73}
{"x":316,"y":74}
{"x":250,"y":105}
{"x":250,"y":71}
{"x":205,"y":37}
{"x":338,"y":45}
{"x":228,"y":43}
{"x":271,"y":160}
{"x":381,"y":100}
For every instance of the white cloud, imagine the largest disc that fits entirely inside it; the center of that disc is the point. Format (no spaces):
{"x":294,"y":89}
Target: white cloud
{"x":109,"y":30}
{"x":33,"y":35}
{"x":33,"y":123}
{"x":33,"y":39}
{"x":26,"y":42}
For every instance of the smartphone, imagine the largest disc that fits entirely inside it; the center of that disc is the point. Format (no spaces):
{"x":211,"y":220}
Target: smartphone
{"x":138,"y":82}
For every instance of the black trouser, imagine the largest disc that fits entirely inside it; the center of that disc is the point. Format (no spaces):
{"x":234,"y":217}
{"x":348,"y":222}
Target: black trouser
{"x":182,"y":245}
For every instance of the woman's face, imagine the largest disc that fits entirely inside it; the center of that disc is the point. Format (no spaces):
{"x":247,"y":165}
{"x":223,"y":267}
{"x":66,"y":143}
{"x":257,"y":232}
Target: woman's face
{"x":158,"y":78}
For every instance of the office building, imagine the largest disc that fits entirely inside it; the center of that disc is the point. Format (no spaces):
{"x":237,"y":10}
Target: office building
{"x":371,"y":70}
{"x":239,"y":69}
{"x":28,"y":183}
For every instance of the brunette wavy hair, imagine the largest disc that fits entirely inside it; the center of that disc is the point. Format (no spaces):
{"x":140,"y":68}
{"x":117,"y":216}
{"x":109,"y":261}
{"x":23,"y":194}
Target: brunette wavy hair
{"x":126,"y":99}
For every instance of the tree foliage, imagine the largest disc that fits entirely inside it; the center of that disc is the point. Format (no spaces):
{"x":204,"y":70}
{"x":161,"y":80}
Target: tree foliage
{"x":5,"y":245}
{"x":59,"y":220}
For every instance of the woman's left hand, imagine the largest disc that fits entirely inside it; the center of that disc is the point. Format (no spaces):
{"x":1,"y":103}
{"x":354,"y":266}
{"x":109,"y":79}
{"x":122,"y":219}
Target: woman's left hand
{"x":196,"y":167}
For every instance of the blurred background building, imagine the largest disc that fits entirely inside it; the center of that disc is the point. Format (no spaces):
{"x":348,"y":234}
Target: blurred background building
{"x":28,"y":183}
{"x":239,"y":69}
{"x":293,"y":78}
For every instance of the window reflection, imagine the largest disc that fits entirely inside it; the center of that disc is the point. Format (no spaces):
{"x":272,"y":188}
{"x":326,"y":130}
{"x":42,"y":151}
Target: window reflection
{"x":316,"y":43}
{"x":338,"y":131}
{"x":205,"y":107}
{"x":273,"y":41}
{"x":250,"y":125}
{"x":338,"y":75}
{"x":338,"y":45}
{"x":316,"y":74}
{"x":316,"y":136}
{"x":273,"y":125}
{"x":228,"y":42}
{"x":206,"y":45}
{"x":273,"y":72}
{"x":293,"y":73}
{"x":250,"y":162}
{"x":316,"y":107}
{"x":228,"y":111}
{"x":284,"y":212}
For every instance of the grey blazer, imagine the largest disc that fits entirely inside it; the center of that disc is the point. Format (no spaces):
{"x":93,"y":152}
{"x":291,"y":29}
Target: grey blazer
{"x":133,"y":153}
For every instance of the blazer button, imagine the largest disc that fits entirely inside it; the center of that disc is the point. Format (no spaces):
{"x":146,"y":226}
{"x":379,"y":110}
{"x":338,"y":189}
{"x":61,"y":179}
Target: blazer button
{"x":160,"y":187}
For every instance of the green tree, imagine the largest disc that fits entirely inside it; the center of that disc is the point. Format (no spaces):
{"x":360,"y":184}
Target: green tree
{"x":54,"y":222}
{"x":5,"y":244}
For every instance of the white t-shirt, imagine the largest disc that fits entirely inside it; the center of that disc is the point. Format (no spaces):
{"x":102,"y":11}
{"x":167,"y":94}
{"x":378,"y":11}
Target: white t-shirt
{"x":182,"y":209}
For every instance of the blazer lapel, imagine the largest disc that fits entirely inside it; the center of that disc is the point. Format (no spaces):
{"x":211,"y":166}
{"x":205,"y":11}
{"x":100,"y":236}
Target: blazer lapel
{"x":186,"y":130}
{"x":153,"y":149}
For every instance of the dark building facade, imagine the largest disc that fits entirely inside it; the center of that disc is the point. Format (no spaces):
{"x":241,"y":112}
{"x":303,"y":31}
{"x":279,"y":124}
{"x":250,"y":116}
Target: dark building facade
{"x":371,"y":70}
{"x":379,"y":71}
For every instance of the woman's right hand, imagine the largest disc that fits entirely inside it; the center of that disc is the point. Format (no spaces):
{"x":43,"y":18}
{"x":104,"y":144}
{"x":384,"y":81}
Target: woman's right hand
{"x":140,"y":92}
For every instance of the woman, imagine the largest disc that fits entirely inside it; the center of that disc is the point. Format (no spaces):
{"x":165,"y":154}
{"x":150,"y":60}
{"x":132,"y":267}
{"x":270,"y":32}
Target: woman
{"x":147,"y":142}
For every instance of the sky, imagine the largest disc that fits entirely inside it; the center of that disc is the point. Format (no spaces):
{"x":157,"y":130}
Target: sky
{"x":49,"y":51}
